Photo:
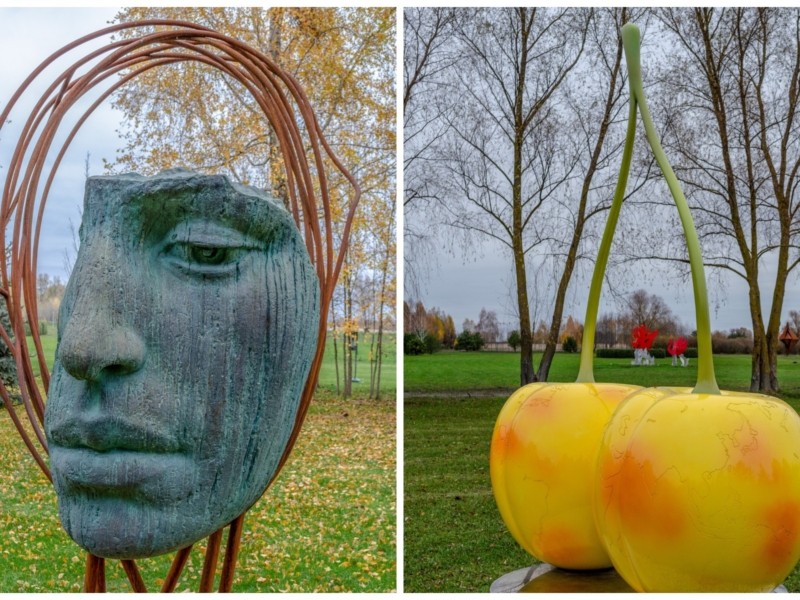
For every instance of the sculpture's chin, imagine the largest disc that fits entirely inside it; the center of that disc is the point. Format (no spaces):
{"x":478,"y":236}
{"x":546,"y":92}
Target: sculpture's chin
{"x":120,"y":528}
{"x":124,"y":528}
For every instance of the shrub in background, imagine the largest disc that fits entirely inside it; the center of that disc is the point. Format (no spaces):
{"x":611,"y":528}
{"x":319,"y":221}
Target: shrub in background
{"x":514,"y":340}
{"x":412,"y":344}
{"x":469,"y":342}
{"x":569,"y":345}
{"x":8,"y":368}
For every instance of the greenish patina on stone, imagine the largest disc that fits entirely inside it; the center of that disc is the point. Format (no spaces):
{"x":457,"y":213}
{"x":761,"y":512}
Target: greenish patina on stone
{"x":186,"y":335}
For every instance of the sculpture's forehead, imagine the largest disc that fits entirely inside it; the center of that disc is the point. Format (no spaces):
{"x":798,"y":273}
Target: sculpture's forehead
{"x":158,"y":203}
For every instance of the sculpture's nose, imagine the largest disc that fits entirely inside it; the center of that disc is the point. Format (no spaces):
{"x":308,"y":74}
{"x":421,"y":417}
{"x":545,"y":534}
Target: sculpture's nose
{"x":94,"y":339}
{"x":92,"y":348}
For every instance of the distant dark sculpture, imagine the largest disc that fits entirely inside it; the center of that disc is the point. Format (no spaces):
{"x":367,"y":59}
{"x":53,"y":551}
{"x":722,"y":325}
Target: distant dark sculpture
{"x":185,"y":339}
{"x":788,"y":339}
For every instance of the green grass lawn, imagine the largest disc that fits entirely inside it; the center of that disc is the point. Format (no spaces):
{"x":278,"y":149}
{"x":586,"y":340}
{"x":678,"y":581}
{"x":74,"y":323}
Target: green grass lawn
{"x":455,"y":540}
{"x":365,"y":354}
{"x":328,"y":524}
{"x":467,"y":371}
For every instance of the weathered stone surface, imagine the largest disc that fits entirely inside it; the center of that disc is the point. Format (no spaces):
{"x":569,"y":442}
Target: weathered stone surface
{"x":185,"y":337}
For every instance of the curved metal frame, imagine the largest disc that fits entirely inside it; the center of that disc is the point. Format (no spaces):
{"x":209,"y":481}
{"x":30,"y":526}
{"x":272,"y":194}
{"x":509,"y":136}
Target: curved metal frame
{"x":280,"y":97}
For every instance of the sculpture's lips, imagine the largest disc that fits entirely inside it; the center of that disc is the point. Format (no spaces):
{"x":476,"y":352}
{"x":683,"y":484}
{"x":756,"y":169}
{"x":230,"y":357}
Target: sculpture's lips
{"x":116,"y":470}
{"x":105,"y":434}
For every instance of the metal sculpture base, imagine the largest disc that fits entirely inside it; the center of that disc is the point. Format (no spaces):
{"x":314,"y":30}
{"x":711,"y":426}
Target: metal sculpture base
{"x":545,"y":578}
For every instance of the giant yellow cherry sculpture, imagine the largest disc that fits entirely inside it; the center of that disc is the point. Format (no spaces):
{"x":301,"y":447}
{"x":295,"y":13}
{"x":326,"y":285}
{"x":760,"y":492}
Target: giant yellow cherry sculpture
{"x":542,"y":464}
{"x":697,"y":490}
{"x":544,"y":447}
{"x":701,"y":492}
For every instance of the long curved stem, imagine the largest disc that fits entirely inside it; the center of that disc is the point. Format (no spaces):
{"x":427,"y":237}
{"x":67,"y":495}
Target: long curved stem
{"x":586,"y":371}
{"x":706,"y":380}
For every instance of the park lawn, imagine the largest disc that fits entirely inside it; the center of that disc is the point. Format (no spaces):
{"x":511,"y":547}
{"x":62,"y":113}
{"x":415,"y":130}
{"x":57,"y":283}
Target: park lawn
{"x":468,"y":371}
{"x":327,"y":373}
{"x":326,"y":525}
{"x":48,"y":349}
{"x":455,"y":540}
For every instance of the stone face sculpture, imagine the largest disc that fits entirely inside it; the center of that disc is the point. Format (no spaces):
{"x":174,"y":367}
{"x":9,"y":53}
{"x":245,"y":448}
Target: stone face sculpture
{"x":185,"y":338}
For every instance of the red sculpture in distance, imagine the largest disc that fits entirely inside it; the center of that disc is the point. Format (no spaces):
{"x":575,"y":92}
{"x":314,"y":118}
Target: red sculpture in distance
{"x":643,"y":338}
{"x":677,"y":347}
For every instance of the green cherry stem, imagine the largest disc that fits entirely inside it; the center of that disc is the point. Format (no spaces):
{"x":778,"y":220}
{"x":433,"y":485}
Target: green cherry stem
{"x":586,"y":371}
{"x":706,"y":381}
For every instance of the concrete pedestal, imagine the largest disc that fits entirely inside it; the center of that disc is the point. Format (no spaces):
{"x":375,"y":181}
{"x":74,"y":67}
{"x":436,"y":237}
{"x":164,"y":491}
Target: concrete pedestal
{"x":545,"y":578}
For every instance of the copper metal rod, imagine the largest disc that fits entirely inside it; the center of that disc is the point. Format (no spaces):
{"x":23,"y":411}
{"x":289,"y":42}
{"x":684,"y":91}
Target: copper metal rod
{"x":95,"y":577}
{"x":210,"y":563}
{"x":175,"y":569}
{"x":134,"y":577}
{"x":88,"y":574}
{"x":231,"y":554}
{"x":100,"y":575}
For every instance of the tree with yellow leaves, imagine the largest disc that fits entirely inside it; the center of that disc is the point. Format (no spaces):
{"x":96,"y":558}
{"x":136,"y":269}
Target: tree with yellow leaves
{"x":186,"y":114}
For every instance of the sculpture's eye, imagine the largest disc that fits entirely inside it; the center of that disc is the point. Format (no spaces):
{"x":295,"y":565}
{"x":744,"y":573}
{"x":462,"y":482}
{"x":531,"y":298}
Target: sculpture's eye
{"x":198,"y":256}
{"x":209,"y":255}
{"x":206,"y":249}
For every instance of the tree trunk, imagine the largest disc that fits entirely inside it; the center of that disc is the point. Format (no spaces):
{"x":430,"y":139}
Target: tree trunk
{"x":348,"y":336}
{"x":526,"y":372}
{"x":377,"y":364}
{"x":371,"y":363}
{"x":379,"y":345}
{"x":335,"y":351}
{"x":276,"y":169}
{"x":764,"y":362}
{"x":764,"y":375}
{"x":780,"y":187}
{"x":572,"y":253}
{"x":772,"y":367}
{"x":563,"y":284}
{"x":546,"y":361}
{"x":336,"y":363}
{"x":768,"y":352}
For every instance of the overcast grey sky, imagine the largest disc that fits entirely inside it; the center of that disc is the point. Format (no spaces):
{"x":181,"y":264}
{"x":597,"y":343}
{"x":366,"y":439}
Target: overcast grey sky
{"x":462,"y":286}
{"x":28,"y":36}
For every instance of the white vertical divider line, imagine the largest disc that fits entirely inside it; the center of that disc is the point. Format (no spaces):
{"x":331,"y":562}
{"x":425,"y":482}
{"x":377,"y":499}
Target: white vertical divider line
{"x":400,"y":294}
